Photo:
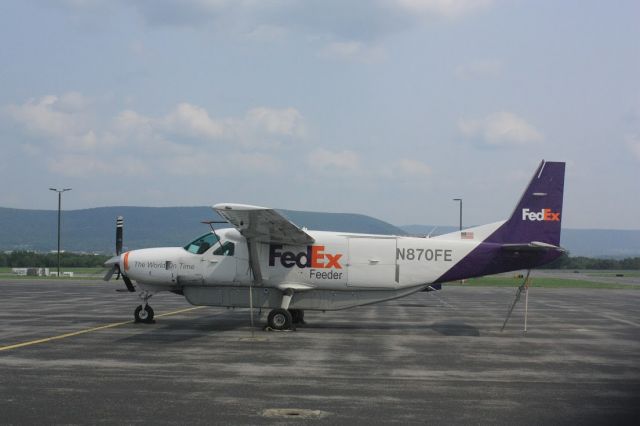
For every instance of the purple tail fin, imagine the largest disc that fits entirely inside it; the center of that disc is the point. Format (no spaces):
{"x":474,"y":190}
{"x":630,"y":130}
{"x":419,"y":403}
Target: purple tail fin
{"x":538,"y":215}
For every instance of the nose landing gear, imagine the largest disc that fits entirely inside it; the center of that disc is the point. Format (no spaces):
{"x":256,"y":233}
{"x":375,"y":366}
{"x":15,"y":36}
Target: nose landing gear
{"x":144,"y":315}
{"x":144,"y":312}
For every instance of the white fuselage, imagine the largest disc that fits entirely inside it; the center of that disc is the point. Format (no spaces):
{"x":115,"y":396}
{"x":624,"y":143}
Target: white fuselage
{"x":338,"y":271}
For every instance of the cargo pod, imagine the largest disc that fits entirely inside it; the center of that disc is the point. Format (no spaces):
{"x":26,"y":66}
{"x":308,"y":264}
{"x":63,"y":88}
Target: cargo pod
{"x":372,"y":262}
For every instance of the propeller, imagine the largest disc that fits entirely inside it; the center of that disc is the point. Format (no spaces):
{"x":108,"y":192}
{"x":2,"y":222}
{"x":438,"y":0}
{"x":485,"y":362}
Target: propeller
{"x":114,"y":262}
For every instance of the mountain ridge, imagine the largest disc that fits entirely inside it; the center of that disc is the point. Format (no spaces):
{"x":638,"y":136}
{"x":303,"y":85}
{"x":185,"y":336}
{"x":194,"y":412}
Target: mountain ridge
{"x":92,"y":229}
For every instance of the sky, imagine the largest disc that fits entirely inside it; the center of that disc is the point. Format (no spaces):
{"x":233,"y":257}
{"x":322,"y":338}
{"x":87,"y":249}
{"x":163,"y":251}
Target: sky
{"x":389,"y":108}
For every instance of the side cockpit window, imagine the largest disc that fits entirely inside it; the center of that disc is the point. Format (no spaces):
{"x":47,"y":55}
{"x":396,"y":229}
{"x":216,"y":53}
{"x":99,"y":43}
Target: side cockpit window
{"x":226,"y":249}
{"x":202,"y":244}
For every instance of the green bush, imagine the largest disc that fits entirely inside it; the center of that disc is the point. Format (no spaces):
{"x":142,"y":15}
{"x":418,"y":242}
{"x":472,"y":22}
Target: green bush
{"x":23,"y":259}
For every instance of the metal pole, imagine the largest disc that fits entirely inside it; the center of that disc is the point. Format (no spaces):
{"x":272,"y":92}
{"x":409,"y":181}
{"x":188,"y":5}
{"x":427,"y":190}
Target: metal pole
{"x":526,"y":305}
{"x":460,"y":201}
{"x":59,"y":208}
{"x":59,"y":191}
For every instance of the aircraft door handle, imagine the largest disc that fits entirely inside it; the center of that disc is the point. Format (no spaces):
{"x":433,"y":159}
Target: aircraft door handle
{"x":373,"y":261}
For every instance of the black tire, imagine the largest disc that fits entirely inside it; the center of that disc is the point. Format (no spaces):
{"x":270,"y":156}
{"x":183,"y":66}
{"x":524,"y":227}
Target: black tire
{"x":145,"y":316}
{"x":280,"y":319}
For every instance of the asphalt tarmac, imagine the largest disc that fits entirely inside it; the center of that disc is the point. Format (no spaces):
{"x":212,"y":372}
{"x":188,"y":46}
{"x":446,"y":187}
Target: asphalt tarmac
{"x":69,"y":354}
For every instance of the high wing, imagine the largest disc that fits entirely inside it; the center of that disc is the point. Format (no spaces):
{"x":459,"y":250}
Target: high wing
{"x":263,"y":225}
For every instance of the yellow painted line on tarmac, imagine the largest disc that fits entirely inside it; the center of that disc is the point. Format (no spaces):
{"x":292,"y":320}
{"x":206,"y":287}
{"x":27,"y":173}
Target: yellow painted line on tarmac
{"x":88,"y":330}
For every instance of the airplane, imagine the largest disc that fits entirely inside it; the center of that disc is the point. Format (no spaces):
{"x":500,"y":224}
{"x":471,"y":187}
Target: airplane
{"x":265,"y":261}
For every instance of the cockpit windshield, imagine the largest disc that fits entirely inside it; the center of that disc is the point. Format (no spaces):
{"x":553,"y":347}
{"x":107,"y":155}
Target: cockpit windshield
{"x":202,"y":244}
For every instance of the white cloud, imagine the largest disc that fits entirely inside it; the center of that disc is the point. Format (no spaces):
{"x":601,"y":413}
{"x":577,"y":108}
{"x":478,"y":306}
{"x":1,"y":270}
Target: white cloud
{"x":341,"y":162}
{"x":411,"y":167}
{"x":479,"y":69}
{"x":500,"y":129}
{"x":353,"y":50}
{"x":266,"y":33}
{"x":285,"y":122}
{"x":61,"y":119}
{"x":633,"y":144}
{"x":255,"y":162}
{"x":261,"y":126}
{"x":444,"y":8}
{"x":82,"y":165}
{"x":265,"y":21}
{"x":191,"y":121}
{"x":186,"y":140}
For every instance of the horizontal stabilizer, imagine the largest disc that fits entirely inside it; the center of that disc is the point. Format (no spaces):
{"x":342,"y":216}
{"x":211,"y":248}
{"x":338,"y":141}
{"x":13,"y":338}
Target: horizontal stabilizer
{"x":532,"y":246}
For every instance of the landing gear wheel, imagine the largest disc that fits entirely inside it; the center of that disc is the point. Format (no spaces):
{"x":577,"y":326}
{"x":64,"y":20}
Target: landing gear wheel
{"x":144,"y":315}
{"x":280,"y":319}
{"x":297,"y":316}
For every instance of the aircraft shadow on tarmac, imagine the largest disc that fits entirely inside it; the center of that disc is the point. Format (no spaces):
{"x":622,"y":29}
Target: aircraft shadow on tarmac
{"x":180,"y":330}
{"x":445,"y":329}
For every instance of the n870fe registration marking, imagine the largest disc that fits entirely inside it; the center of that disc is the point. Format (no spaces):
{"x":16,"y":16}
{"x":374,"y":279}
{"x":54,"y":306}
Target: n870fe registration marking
{"x":424,"y":254}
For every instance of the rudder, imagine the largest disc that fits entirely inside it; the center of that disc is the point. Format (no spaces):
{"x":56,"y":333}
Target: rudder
{"x":538,"y":214}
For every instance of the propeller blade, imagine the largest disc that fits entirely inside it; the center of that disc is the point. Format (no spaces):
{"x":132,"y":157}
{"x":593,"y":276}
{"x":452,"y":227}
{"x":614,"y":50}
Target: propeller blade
{"x":115,"y":261}
{"x":128,"y":283}
{"x":119,"y":229}
{"x":112,"y":264}
{"x":110,"y":273}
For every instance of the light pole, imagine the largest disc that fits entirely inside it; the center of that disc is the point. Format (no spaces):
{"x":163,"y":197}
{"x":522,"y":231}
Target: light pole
{"x":460,"y":200}
{"x":59,"y":191}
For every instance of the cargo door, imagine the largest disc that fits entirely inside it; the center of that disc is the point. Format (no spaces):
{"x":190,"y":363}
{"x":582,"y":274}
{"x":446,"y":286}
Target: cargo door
{"x":372,"y":262}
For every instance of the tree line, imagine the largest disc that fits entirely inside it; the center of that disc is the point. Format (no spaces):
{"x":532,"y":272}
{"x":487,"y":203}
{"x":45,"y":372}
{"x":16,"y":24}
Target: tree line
{"x":580,"y":262}
{"x":24,"y":259}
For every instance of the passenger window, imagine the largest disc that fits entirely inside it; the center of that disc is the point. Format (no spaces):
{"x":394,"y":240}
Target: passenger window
{"x":227,"y":249}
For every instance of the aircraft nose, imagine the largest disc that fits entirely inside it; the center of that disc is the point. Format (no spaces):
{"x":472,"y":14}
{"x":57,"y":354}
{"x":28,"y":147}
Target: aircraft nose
{"x":124,"y":261}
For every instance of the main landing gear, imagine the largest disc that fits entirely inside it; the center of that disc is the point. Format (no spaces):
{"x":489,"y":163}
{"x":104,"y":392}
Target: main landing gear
{"x":144,"y":312}
{"x":284,"y":319}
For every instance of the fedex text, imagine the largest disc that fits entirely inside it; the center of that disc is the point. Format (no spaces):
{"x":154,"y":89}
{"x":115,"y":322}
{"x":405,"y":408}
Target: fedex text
{"x":313,"y":257}
{"x":544,"y":215}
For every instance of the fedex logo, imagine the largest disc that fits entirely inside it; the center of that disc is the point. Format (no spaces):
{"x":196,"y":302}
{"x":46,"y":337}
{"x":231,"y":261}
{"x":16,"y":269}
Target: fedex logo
{"x":545,"y":215}
{"x":314,"y":257}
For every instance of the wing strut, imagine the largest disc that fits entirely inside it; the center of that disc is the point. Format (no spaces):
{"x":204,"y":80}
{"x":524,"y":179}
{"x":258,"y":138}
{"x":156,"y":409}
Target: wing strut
{"x":524,"y":286}
{"x":256,"y":274}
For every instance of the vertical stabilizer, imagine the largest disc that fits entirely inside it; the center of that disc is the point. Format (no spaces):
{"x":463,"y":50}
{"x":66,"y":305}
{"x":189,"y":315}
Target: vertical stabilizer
{"x":538,"y":214}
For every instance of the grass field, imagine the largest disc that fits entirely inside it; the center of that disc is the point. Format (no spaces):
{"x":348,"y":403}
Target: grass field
{"x":541,"y":282}
{"x":613,"y":273}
